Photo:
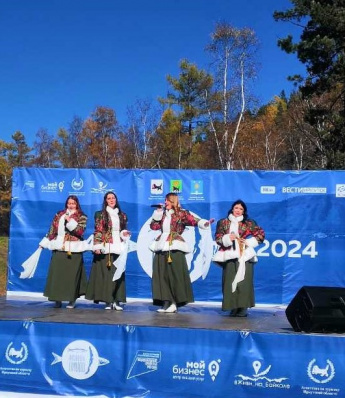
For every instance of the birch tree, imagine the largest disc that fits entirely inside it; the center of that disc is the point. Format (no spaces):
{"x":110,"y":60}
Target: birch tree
{"x":45,"y":147}
{"x":233,"y":52}
{"x":136,"y":143}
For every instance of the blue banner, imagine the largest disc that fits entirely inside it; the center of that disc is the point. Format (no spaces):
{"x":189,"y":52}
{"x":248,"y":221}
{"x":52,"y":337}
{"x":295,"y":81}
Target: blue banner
{"x":127,"y":361}
{"x":302,"y":214}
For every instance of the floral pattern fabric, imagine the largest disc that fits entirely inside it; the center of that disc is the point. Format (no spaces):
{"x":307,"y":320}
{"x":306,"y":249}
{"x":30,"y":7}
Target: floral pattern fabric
{"x":74,"y":235}
{"x":101,"y":233}
{"x":179,"y":221}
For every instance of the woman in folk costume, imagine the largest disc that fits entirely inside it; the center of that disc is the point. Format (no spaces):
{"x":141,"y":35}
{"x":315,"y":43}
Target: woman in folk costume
{"x":237,"y":236}
{"x":107,"y":278}
{"x":171,"y":284}
{"x":66,"y":279}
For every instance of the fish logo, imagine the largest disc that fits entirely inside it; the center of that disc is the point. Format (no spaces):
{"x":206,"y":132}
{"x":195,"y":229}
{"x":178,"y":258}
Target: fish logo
{"x":80,"y":360}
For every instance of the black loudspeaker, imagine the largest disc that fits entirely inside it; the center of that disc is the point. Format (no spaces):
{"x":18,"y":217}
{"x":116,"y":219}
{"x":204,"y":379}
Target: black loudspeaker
{"x":317,"y":309}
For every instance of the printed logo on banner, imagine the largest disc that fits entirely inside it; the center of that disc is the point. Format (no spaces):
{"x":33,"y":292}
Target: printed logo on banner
{"x":260,"y":379}
{"x":176,"y":186}
{"x":144,"y":362}
{"x":16,"y":354}
{"x":28,"y":185}
{"x":320,"y":372}
{"x":80,"y":360}
{"x":213,"y":369}
{"x":201,"y":245}
{"x":268,"y":190}
{"x":197,"y":190}
{"x":102,"y":188}
{"x":61,"y":185}
{"x":77,"y":185}
{"x":197,"y":187}
{"x":340,"y":190}
{"x":304,"y":190}
{"x":196,"y":371}
{"x":157,"y":187}
{"x":50,"y":187}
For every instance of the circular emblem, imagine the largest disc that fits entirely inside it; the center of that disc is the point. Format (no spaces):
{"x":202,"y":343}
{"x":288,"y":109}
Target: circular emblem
{"x":320,"y":374}
{"x":77,"y":185}
{"x":16,"y":356}
{"x":80,"y":360}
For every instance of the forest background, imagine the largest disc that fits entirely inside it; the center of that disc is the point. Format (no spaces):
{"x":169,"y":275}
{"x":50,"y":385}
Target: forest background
{"x":210,"y":119}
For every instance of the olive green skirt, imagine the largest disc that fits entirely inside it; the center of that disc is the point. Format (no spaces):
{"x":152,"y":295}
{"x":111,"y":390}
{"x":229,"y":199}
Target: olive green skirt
{"x":101,"y":286}
{"x":243,"y":297}
{"x":171,"y":281}
{"x":66,"y":280}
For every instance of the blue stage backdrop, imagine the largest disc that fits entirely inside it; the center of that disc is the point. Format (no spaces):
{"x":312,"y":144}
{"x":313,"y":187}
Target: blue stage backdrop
{"x":302,"y":213}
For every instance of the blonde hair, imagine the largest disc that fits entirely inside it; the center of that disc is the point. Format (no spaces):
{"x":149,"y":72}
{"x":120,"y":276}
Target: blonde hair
{"x":174,"y":200}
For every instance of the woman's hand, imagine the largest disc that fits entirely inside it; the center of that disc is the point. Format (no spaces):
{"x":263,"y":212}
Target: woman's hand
{"x":242,"y":241}
{"x":207,"y":223}
{"x":127,"y":233}
{"x":232,"y":236}
{"x":97,"y":251}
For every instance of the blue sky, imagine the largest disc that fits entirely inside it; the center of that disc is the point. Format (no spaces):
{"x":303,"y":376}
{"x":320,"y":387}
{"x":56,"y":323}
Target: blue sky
{"x":61,"y":58}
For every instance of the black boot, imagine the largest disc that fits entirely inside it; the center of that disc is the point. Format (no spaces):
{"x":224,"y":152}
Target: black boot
{"x":58,"y":304}
{"x":242,"y":312}
{"x":234,"y":312}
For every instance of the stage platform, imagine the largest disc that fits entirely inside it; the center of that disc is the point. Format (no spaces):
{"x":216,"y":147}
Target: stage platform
{"x":198,"y":352}
{"x":140,"y":313}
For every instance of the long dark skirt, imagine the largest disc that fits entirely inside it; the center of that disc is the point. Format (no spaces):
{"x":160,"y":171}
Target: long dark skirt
{"x":243,"y":297}
{"x":66,"y":279}
{"x":101,"y":286}
{"x":171,"y":281}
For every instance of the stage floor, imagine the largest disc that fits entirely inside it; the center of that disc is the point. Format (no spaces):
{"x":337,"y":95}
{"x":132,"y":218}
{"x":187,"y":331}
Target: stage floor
{"x":139,"y":313}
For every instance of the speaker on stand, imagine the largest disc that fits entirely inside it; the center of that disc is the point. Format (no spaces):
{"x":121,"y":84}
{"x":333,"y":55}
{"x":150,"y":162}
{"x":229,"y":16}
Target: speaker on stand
{"x":317,"y":309}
